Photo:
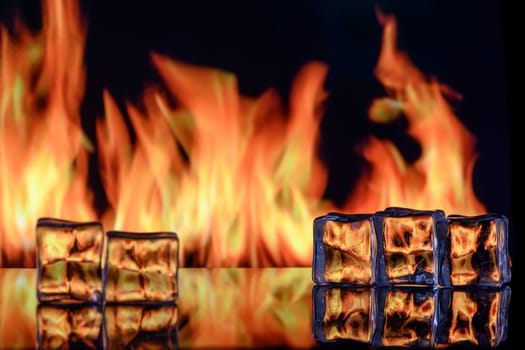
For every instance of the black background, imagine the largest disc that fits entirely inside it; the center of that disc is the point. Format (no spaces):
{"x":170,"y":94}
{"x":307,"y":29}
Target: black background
{"x":468,"y":45}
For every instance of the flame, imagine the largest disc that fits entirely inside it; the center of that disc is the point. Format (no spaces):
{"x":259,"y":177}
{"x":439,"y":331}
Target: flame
{"x":238,"y":178}
{"x":43,"y":150}
{"x":442,"y":175}
{"x":241,"y":197}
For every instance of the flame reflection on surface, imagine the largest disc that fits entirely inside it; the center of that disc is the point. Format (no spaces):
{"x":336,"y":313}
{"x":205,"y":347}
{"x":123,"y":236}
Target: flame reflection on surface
{"x":238,"y":178}
{"x":17,"y":308}
{"x":222,"y":308}
{"x":269,"y":307}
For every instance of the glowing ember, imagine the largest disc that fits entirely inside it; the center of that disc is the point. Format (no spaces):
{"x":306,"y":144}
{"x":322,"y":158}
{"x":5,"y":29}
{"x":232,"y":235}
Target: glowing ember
{"x":238,"y":178}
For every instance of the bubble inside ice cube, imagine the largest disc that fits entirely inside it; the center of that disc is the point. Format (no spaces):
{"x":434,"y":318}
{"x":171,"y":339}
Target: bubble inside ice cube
{"x":141,"y":266}
{"x":69,"y":258}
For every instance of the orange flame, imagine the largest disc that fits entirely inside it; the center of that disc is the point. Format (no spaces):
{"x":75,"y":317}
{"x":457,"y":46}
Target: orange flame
{"x":43,"y":151}
{"x":238,"y":178}
{"x":441,"y":178}
{"x":242,"y":196}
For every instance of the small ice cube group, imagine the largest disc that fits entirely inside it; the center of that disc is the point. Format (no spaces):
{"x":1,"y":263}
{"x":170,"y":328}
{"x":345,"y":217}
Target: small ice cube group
{"x":77,"y":262}
{"x":105,"y":290}
{"x":403,"y":246}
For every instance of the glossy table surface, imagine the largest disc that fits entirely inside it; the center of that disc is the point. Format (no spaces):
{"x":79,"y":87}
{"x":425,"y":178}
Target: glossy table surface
{"x":234,"y":308}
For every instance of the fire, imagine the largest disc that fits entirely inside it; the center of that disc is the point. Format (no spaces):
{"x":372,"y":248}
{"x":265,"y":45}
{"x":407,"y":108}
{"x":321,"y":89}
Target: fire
{"x":238,"y":178}
{"x":241,"y":197}
{"x":43,"y":150}
{"x":441,"y":178}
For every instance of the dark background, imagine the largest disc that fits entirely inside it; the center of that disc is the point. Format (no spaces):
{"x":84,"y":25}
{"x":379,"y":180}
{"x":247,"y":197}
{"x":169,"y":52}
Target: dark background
{"x":467,"y":45}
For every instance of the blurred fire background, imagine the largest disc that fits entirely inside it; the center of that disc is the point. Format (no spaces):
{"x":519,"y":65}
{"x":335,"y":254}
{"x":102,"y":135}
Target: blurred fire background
{"x":462,"y":44}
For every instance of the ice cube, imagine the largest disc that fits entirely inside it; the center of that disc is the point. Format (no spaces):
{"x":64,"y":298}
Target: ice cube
{"x":141,"y":266}
{"x":141,"y":326}
{"x":344,"y":249}
{"x":69,"y":326}
{"x":69,"y":260}
{"x":407,"y":246}
{"x":474,"y":251}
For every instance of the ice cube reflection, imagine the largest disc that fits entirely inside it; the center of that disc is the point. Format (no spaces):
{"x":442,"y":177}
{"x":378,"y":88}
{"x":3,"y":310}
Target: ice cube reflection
{"x":411,"y":317}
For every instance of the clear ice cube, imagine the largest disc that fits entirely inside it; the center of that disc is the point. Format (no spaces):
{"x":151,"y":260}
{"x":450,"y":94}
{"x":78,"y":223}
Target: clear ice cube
{"x":407,"y":246}
{"x":344,"y":249}
{"x":69,"y":326}
{"x":474,"y":251}
{"x":69,"y":260}
{"x":141,"y":326}
{"x":141,"y":266}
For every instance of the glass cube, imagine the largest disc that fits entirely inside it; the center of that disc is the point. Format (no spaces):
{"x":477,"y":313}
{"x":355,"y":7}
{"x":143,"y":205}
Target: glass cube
{"x":69,"y":260}
{"x":69,"y":326}
{"x":406,"y":317}
{"x":141,"y":326}
{"x":343,"y":313}
{"x":344,"y":249}
{"x":476,"y":317}
{"x":474,"y":251}
{"x":407,"y":246}
{"x":141,"y":266}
